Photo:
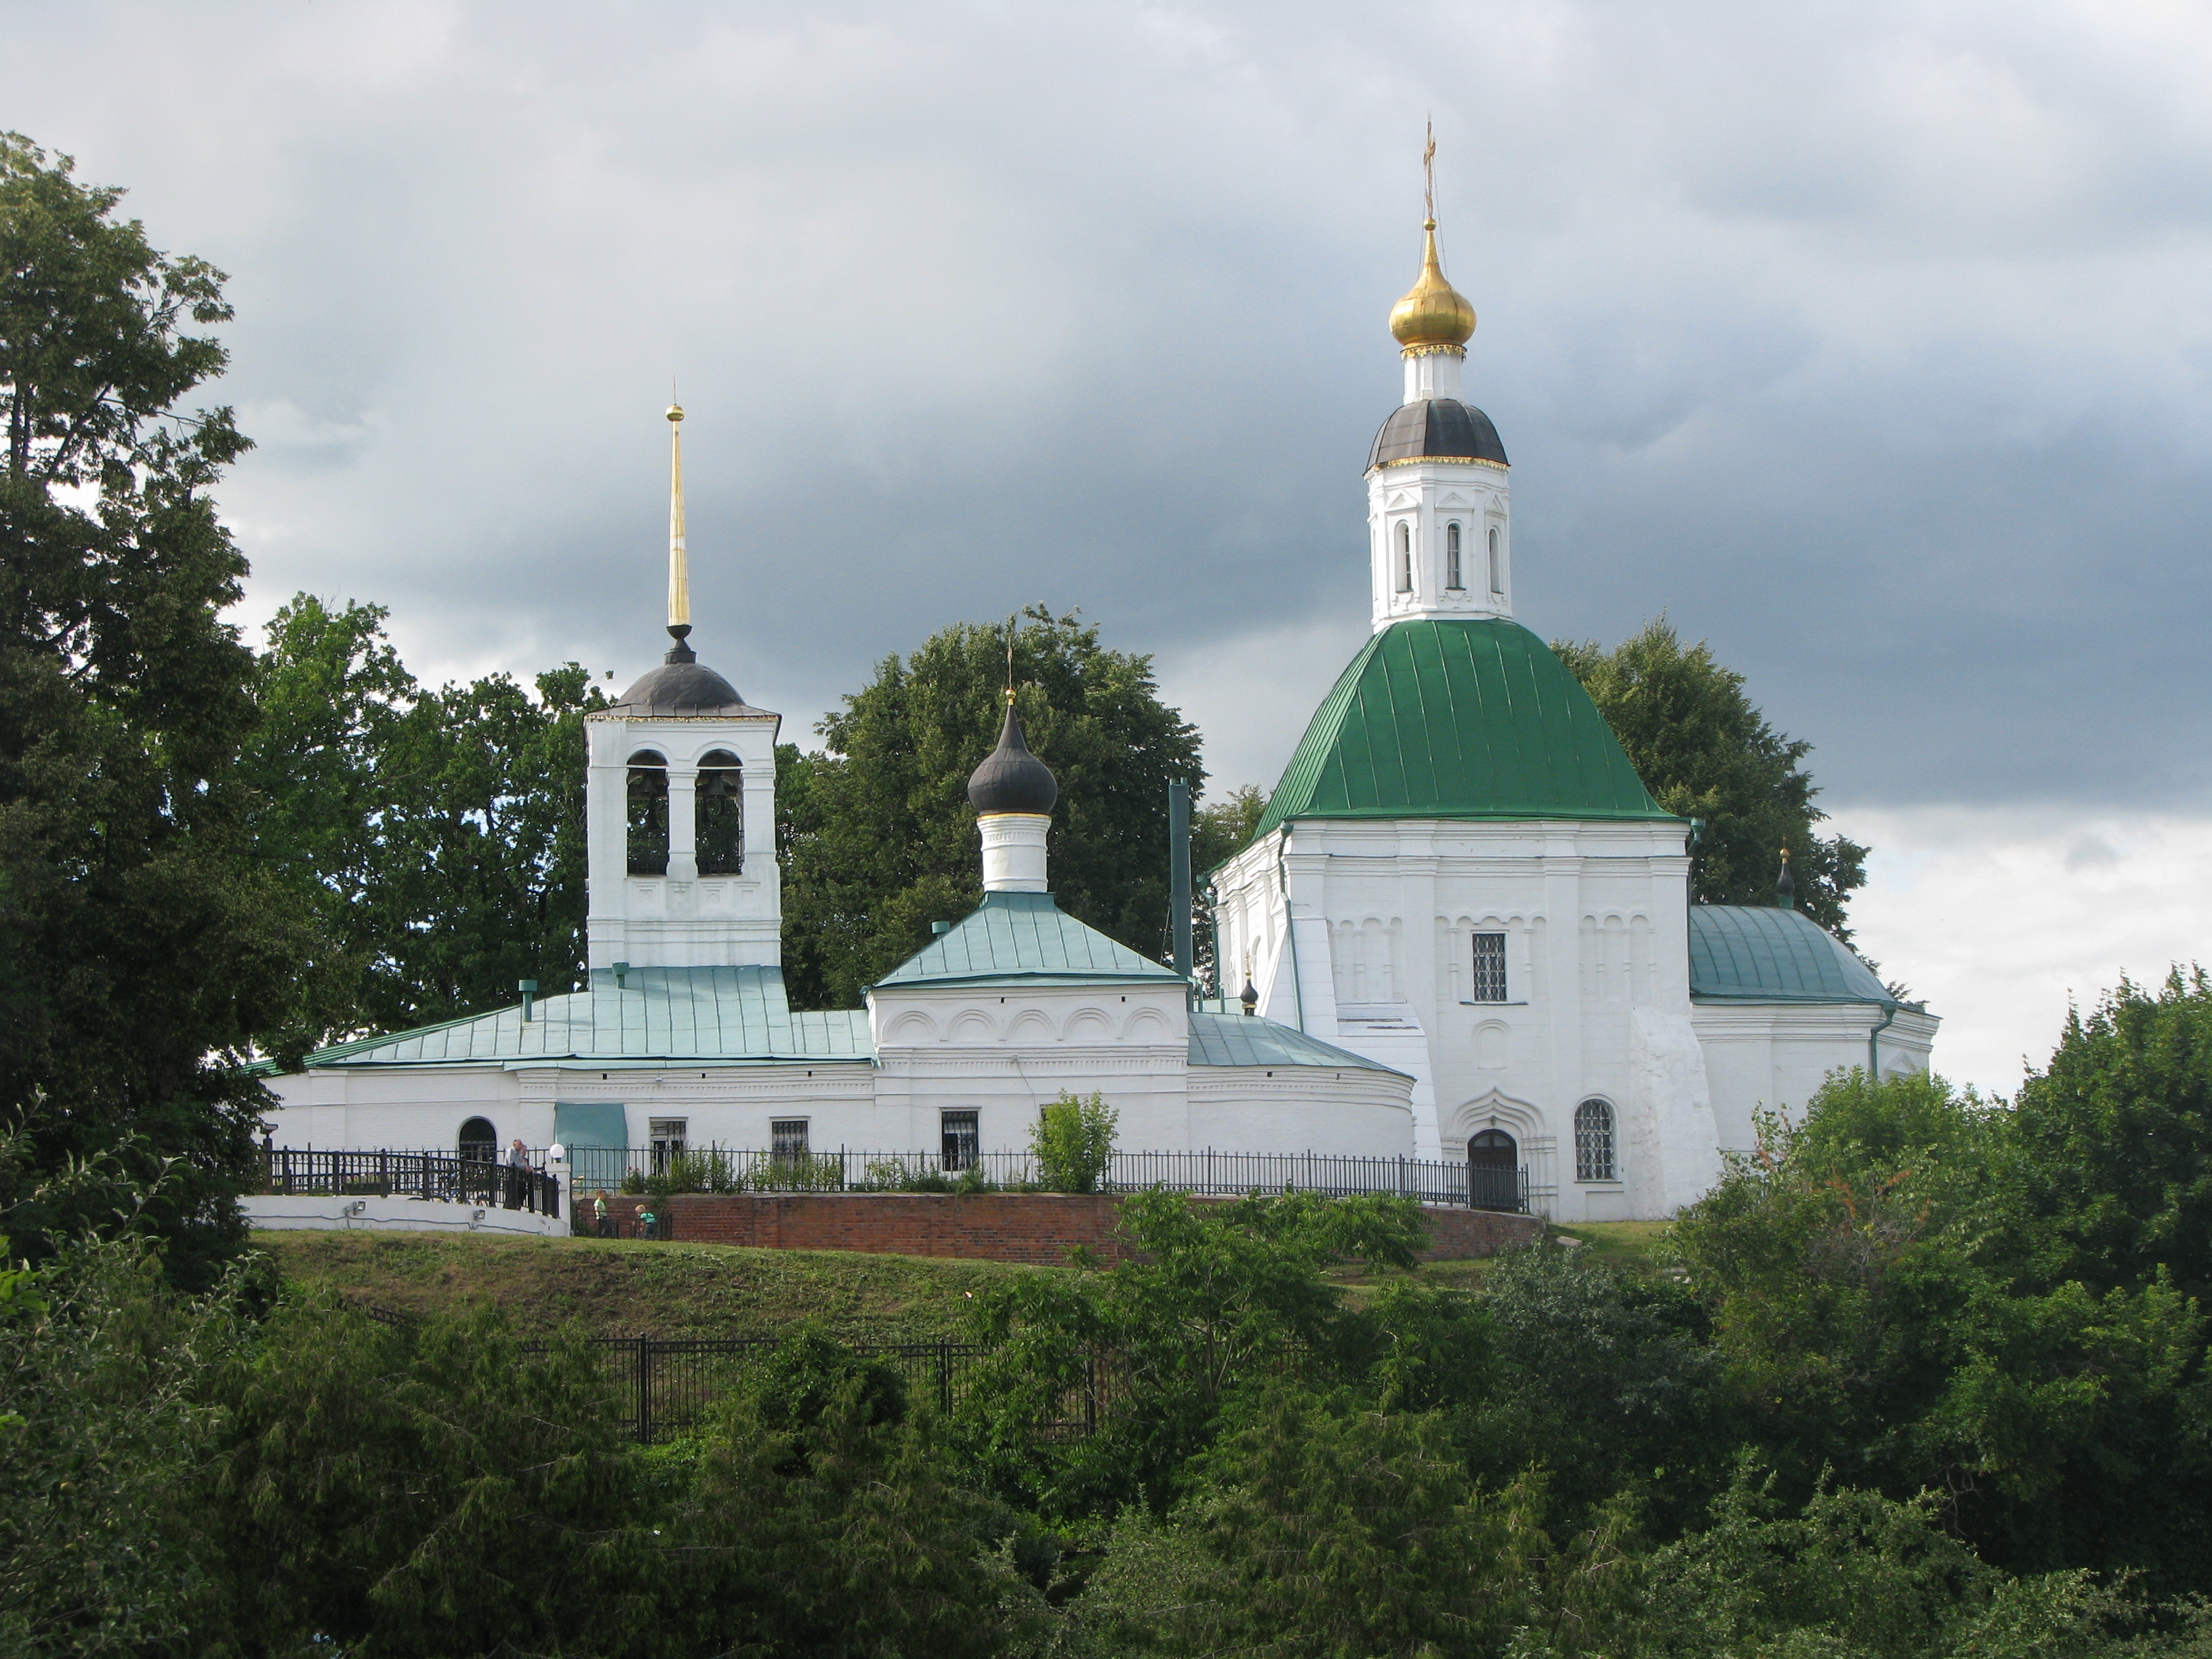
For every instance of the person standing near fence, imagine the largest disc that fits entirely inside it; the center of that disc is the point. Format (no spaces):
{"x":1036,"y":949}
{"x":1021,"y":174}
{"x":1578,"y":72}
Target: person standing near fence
{"x":518,"y":1173}
{"x":599,"y":1214}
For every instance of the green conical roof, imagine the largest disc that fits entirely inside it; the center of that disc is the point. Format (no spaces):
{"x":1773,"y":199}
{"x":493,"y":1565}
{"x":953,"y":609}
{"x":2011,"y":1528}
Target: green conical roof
{"x":1452,"y":719}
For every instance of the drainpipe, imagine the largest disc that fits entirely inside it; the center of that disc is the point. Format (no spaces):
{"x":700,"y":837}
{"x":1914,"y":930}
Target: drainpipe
{"x":1873,"y":1043}
{"x":1290,"y":933}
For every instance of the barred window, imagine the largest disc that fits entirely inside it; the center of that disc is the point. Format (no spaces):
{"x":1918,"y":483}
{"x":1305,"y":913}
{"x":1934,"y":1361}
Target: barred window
{"x":963,"y":1139}
{"x":1593,"y":1159}
{"x":1405,"y":557}
{"x":787,"y":1138}
{"x":1497,"y":564}
{"x":1451,"y":557}
{"x":1489,"y":967}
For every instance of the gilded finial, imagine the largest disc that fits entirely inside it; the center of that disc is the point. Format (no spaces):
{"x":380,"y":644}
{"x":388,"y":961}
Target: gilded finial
{"x":1434,"y":316}
{"x":679,"y":574}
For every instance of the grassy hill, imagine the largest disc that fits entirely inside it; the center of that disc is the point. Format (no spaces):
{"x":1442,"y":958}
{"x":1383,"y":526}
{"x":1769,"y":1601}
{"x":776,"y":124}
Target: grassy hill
{"x":619,"y":1288}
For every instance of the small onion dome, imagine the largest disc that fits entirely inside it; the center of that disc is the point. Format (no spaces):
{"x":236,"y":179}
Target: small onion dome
{"x":1249,"y":996}
{"x":1433,"y":312}
{"x":1785,"y":886}
{"x":1010,"y":779}
{"x":1436,"y":429}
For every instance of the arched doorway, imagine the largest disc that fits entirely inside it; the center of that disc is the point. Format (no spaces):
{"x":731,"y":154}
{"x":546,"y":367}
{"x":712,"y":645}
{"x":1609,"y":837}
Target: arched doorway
{"x":479,"y":1141}
{"x":1493,"y":1171}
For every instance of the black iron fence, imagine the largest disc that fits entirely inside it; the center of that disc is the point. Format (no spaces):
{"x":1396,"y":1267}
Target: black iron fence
{"x":664,"y":1169}
{"x":440,"y":1176}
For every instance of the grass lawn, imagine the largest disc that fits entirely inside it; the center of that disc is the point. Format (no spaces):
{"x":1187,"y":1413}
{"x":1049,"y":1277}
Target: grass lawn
{"x":621,"y":1288}
{"x":1629,"y":1244}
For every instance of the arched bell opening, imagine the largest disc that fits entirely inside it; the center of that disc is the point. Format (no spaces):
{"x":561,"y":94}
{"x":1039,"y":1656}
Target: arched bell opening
{"x":719,"y":836}
{"x":648,"y":813}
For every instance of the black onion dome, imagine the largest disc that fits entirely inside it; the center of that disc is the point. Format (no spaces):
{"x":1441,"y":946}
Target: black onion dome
{"x":1010,"y":779}
{"x":1437,"y":428}
{"x":681,"y":685}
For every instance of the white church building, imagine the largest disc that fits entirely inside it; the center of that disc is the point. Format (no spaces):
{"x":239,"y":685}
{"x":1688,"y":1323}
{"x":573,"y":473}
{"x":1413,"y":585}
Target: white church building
{"x":1464,"y":928}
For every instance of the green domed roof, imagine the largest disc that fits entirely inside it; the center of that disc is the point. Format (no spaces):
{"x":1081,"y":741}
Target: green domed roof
{"x":1452,"y":719}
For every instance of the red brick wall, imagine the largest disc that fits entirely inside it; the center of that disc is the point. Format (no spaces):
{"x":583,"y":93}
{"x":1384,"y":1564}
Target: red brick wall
{"x":1034,"y":1227}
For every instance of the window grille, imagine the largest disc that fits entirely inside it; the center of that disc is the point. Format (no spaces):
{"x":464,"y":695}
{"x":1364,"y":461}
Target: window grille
{"x":1405,"y":558}
{"x":1489,"y":967}
{"x":1593,"y":1159}
{"x":964,"y":1140}
{"x":1451,"y":558}
{"x":479,"y":1140}
{"x":720,"y":805}
{"x":667,"y":1136}
{"x":787,"y":1138}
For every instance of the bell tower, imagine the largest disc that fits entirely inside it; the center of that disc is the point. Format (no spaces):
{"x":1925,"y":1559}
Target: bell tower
{"x":680,"y":804}
{"x":1439,"y":502}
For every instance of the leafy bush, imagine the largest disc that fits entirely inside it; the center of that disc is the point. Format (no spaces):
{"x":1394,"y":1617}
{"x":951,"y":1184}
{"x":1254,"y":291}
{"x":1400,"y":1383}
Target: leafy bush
{"x":1072,"y":1141}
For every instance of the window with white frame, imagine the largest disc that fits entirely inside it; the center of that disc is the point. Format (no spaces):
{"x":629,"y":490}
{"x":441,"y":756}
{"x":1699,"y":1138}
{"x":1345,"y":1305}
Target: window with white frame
{"x":1451,"y":557}
{"x":786,"y":1139}
{"x":1405,"y":557}
{"x":963,"y":1139}
{"x":1489,"y":967}
{"x":1594,"y":1154}
{"x":667,"y":1137}
{"x":1497,"y":564}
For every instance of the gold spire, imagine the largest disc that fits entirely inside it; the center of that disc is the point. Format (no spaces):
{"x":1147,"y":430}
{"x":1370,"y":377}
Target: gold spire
{"x":1434,"y":316}
{"x":679,"y":574}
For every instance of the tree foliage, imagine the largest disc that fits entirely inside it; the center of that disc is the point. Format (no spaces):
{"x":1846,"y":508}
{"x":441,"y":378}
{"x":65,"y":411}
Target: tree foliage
{"x":437,"y":836}
{"x":1705,"y":751}
{"x":143,"y":948}
{"x":875,"y":833}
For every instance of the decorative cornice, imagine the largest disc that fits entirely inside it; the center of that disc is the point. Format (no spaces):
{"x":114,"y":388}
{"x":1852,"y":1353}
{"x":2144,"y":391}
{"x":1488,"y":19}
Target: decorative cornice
{"x":1433,"y":349}
{"x":1445,"y":460}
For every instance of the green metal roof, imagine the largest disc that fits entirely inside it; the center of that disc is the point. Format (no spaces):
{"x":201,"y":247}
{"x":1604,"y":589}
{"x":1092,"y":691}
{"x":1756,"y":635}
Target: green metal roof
{"x":1761,"y":953}
{"x":718,"y":1014}
{"x":1453,"y":718}
{"x":1247,"y":1039}
{"x":1023,"y":936}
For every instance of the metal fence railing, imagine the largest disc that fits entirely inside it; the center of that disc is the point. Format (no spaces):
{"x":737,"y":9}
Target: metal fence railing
{"x":666,"y":1168}
{"x":441,"y":1176}
{"x":664,"y":1387}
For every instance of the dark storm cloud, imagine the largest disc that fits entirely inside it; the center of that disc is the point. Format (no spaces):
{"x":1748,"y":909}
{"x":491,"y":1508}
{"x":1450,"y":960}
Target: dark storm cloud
{"x":1869,"y":342}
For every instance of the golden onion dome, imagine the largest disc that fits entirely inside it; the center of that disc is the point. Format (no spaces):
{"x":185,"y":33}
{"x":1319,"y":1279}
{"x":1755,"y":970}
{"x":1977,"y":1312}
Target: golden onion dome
{"x":1433,"y":312}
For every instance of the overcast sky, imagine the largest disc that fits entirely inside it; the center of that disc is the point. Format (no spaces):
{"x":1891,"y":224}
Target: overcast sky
{"x":1869,"y":341}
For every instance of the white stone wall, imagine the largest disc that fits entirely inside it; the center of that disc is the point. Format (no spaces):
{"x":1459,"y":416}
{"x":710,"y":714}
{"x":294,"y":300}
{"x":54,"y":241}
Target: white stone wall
{"x":1777,"y":1056}
{"x":681,"y":919}
{"x":1379,"y":918}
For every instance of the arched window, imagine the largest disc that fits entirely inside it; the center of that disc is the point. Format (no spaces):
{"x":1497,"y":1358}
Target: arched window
{"x":1493,"y":1171}
{"x":1497,"y":564}
{"x":1405,"y":557}
{"x":1451,"y":558}
{"x":1593,"y":1159}
{"x":721,"y":815}
{"x":479,"y":1141}
{"x":648,"y":813}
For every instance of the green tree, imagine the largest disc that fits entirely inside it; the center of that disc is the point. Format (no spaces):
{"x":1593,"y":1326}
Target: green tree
{"x":439,"y":835}
{"x":143,"y":950}
{"x":1705,"y":751}
{"x":876,"y":837}
{"x":1884,"y":1312}
{"x":2115,"y":1139}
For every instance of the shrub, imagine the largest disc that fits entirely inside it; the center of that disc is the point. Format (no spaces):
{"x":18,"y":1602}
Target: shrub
{"x":1073,"y":1142}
